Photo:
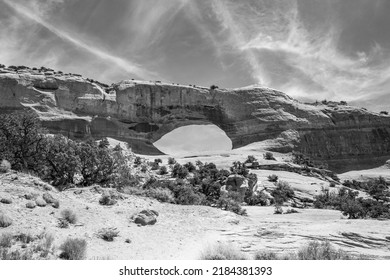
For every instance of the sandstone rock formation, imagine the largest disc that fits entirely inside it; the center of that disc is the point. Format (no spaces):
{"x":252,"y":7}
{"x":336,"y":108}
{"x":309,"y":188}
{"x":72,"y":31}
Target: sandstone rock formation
{"x":142,"y":112}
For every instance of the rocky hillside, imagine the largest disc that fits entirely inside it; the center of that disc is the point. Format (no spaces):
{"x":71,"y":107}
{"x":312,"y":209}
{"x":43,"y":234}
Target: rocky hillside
{"x":141,"y":112}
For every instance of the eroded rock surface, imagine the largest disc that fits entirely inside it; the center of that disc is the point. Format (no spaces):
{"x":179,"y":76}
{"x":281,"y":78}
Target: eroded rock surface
{"x":142,"y":112}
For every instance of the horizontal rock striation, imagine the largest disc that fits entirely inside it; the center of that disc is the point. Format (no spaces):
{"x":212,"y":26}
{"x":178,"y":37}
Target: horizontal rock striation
{"x":142,"y":112}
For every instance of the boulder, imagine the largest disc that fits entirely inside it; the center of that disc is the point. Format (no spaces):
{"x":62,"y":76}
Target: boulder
{"x":48,"y":198}
{"x":31,"y":205}
{"x":6,"y":200}
{"x":237,"y":183}
{"x":146,"y":217}
{"x":40,"y":202}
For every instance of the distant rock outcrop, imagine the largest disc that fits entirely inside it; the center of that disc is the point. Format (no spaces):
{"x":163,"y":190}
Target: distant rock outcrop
{"x":142,"y":112}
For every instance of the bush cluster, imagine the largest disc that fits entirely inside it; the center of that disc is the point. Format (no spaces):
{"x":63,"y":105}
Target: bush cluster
{"x":347,"y":201}
{"x":57,"y":159}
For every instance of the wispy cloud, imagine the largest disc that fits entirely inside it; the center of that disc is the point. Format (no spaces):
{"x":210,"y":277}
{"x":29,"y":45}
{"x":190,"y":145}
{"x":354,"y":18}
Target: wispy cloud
{"x":125,"y":65}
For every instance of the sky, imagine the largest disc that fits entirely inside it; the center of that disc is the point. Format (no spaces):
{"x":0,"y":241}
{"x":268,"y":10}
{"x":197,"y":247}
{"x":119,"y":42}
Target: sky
{"x":309,"y":49}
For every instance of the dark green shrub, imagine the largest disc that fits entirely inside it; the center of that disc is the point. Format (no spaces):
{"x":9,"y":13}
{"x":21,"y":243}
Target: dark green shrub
{"x":97,"y":164}
{"x":211,"y":189}
{"x":107,"y":200}
{"x":137,"y":161}
{"x":179,"y":171}
{"x":158,"y":160}
{"x":73,"y":249}
{"x":161,"y":194}
{"x":154,"y":165}
{"x":190,"y":166}
{"x":269,"y":156}
{"x":186,"y":195}
{"x":257,"y":199}
{"x":163,"y":170}
{"x":171,"y":160}
{"x":239,"y":168}
{"x":251,"y":159}
{"x":62,"y":159}
{"x":229,"y":204}
{"x":273,"y":178}
{"x":283,"y":192}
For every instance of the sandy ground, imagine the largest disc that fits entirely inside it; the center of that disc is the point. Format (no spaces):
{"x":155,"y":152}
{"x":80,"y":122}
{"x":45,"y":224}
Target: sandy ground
{"x":182,"y":232}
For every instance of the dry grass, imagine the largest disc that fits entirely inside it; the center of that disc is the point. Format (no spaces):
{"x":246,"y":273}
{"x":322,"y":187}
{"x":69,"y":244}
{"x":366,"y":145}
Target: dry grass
{"x":5,"y":221}
{"x":223,"y":251}
{"x":69,"y":216}
{"x":73,"y":249}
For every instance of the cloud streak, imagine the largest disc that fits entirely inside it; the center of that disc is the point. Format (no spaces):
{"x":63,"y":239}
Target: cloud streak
{"x":129,"y":67}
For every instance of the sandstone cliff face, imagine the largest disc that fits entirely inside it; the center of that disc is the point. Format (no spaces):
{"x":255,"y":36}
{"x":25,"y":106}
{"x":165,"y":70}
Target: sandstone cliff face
{"x":141,"y":112}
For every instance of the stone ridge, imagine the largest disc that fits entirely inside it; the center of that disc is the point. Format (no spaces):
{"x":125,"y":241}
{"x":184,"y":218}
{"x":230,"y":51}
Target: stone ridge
{"x":141,"y":112}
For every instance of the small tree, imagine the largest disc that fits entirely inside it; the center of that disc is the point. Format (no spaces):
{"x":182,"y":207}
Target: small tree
{"x":62,"y":160}
{"x":21,"y":140}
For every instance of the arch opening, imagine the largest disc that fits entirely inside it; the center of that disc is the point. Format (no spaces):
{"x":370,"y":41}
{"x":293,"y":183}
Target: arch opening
{"x":194,"y":140}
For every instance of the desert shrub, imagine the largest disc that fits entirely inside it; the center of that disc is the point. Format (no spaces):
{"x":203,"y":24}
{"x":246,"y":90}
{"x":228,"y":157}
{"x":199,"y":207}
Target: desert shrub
{"x":208,"y":171}
{"x":5,"y":166}
{"x":163,"y":170}
{"x":171,"y":160}
{"x":179,"y":171}
{"x":22,"y":140}
{"x":352,"y":208}
{"x":239,"y":168}
{"x":107,"y":200}
{"x":6,"y":240}
{"x":5,"y":221}
{"x":384,"y":113}
{"x":229,"y":204}
{"x":62,"y":223}
{"x":69,"y":216}
{"x":283,"y":192}
{"x":222,"y":251}
{"x":257,"y":199}
{"x":190,"y":166}
{"x":211,"y":189}
{"x":269,"y":156}
{"x":6,"y":254}
{"x":144,"y":168}
{"x":25,"y":238}
{"x":45,"y":244}
{"x":123,"y":175}
{"x":301,"y":159}
{"x":137,"y":161}
{"x":265,"y":256}
{"x":161,"y":194}
{"x":315,"y":250}
{"x":154,"y":165}
{"x":73,"y":249}
{"x":97,"y":164}
{"x":186,"y":195}
{"x":213,"y":87}
{"x":251,"y":159}
{"x":278,"y":209}
{"x":273,"y":178}
{"x":291,"y":211}
{"x":158,"y":160}
{"x":108,"y":234}
{"x":62,"y":160}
